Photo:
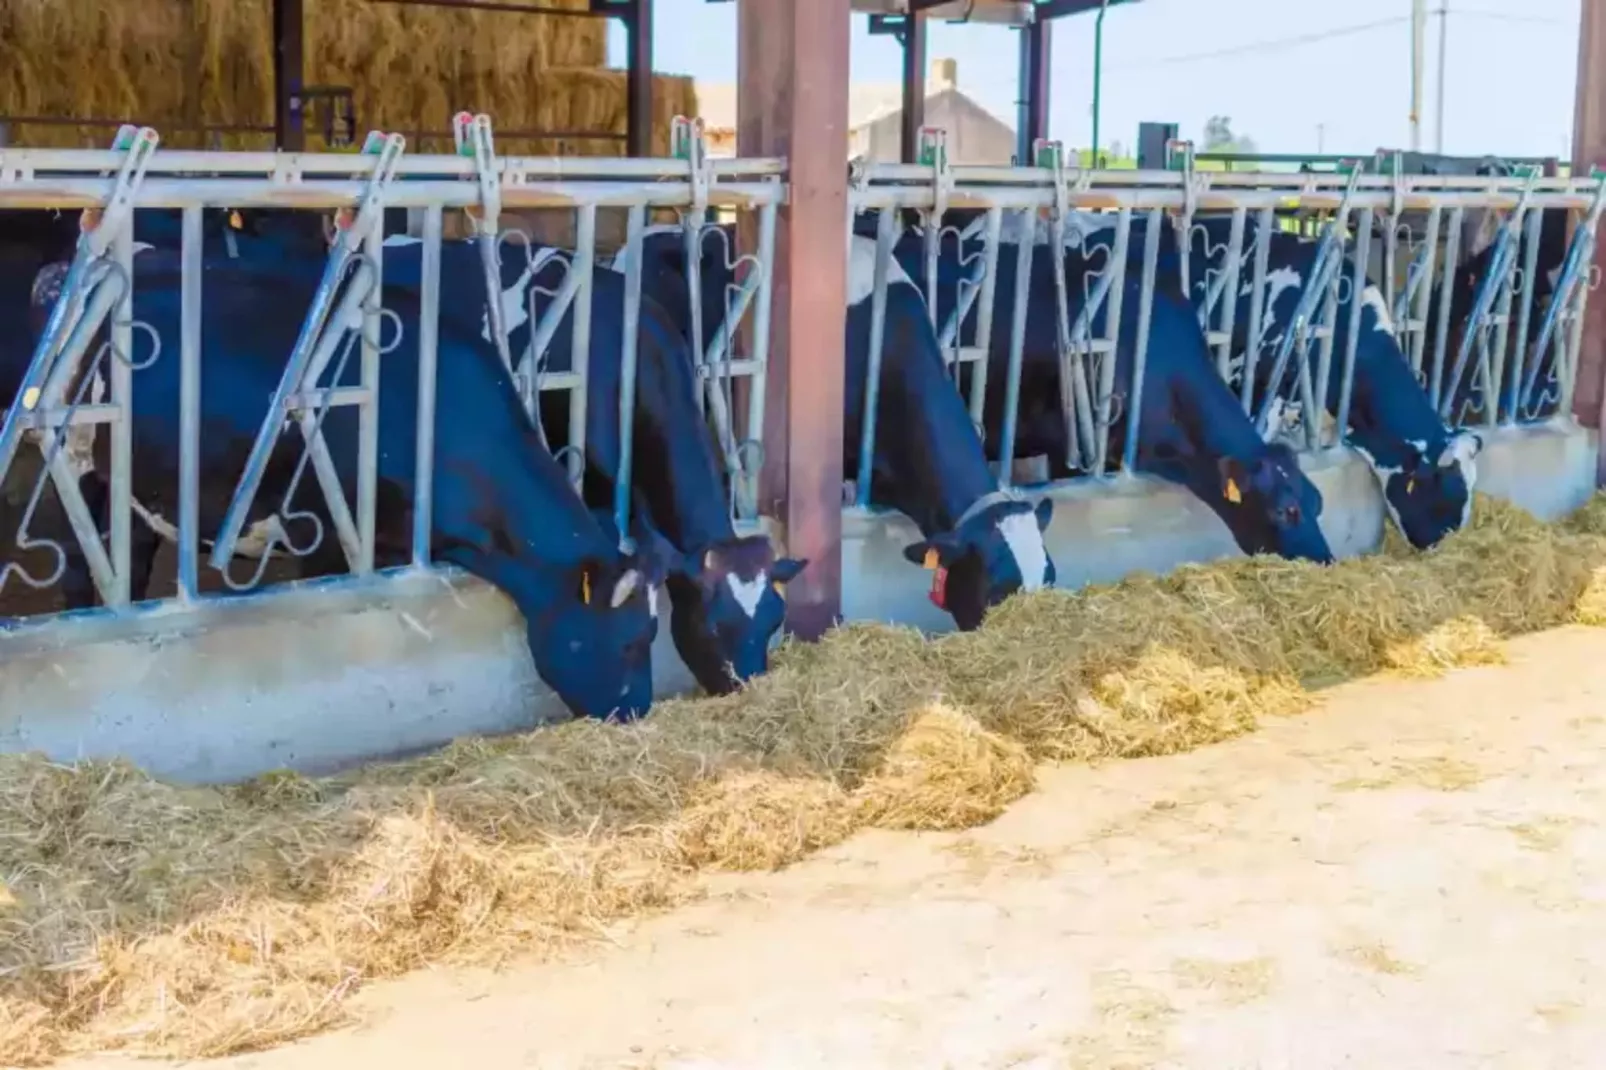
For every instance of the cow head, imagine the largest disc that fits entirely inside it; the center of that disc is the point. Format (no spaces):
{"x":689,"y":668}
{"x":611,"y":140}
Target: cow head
{"x":728,"y":603}
{"x":992,"y":553}
{"x":1271,"y":506}
{"x":1430,"y":495}
{"x":592,"y":642}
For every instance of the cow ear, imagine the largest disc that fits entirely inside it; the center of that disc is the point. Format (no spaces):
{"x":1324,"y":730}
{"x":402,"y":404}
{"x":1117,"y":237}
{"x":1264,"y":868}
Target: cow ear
{"x":1234,"y":478}
{"x":1045,"y":513}
{"x":786,"y":569}
{"x":937,"y":552}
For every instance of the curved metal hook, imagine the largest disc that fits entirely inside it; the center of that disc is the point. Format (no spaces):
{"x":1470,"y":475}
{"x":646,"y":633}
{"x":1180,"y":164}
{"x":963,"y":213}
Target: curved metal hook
{"x":385,"y":316}
{"x":279,"y":535}
{"x":564,"y":453}
{"x":523,"y":239}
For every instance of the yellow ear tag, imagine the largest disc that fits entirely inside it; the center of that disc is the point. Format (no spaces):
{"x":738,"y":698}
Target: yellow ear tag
{"x":778,"y":587}
{"x":931,"y":559}
{"x":235,"y":221}
{"x":30,"y":397}
{"x":1410,"y":485}
{"x":1233,"y":494}
{"x":585,"y":587}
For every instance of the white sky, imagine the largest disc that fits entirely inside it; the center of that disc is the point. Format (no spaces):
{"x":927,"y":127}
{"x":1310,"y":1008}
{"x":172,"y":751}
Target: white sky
{"x":1509,"y":79}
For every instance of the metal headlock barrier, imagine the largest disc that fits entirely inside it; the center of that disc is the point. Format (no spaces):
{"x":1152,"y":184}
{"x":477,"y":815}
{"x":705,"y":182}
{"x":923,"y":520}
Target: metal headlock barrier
{"x":1506,"y":348}
{"x":345,"y":317}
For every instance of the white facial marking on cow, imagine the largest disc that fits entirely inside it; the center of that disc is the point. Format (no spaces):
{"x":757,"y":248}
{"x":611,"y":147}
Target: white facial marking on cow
{"x":1025,"y":543}
{"x":1554,"y":275}
{"x":142,"y":246}
{"x":625,"y":588}
{"x":1372,"y":297}
{"x":748,"y":593}
{"x":1462,"y":451}
{"x":515,"y":299}
{"x":861,"y":269}
{"x":652,"y":601}
{"x":1469,"y":472}
{"x":401,"y":241}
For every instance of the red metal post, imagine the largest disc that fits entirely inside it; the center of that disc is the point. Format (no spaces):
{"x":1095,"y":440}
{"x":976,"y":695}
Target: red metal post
{"x":1589,"y":149}
{"x":793,"y":102}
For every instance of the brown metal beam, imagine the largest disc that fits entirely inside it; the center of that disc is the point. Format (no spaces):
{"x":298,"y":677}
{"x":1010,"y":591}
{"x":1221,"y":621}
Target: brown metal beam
{"x":289,"y":27}
{"x":502,"y":5}
{"x":793,"y":102}
{"x":638,"y":78}
{"x":914,"y":87}
{"x":1589,"y":149}
{"x":1035,"y":82}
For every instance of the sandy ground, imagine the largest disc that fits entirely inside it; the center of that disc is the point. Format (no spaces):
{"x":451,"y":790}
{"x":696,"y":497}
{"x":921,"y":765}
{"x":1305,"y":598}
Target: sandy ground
{"x":1414,"y":876}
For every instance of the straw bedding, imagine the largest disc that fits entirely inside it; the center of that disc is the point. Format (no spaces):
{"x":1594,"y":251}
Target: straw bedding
{"x":157,"y":919}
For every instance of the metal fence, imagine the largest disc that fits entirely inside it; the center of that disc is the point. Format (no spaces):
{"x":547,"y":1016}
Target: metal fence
{"x":1403,"y":234}
{"x":346,"y":320}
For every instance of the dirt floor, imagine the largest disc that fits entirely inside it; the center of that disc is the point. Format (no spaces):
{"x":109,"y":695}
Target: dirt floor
{"x":1414,"y":875}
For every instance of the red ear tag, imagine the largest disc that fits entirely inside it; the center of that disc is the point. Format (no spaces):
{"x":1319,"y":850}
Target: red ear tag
{"x":939,"y":588}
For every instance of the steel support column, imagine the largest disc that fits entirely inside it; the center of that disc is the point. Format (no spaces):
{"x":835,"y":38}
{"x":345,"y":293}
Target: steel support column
{"x":289,"y":21}
{"x":1589,"y":149}
{"x":638,"y":77}
{"x":1036,"y":51}
{"x":793,"y":102}
{"x":914,"y":86}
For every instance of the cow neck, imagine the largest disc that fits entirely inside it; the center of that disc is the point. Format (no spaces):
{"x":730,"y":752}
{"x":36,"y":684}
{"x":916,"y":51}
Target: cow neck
{"x":674,"y":459}
{"x":930,"y":464}
{"x":1213,"y":426}
{"x":1387,"y":402}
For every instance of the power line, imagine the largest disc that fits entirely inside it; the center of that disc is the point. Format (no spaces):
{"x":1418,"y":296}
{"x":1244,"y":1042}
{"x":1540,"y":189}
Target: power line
{"x":1501,"y":16}
{"x":1278,"y":43}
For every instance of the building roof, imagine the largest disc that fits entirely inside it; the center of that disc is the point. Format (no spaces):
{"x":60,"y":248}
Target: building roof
{"x":867,"y":102}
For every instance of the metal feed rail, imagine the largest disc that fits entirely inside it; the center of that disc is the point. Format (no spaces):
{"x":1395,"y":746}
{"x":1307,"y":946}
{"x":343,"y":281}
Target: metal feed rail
{"x":1358,"y":208}
{"x":345,"y":317}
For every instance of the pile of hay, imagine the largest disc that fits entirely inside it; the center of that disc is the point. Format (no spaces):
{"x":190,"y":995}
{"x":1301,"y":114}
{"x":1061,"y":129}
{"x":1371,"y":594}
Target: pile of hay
{"x":140,"y":916}
{"x":172,"y":63}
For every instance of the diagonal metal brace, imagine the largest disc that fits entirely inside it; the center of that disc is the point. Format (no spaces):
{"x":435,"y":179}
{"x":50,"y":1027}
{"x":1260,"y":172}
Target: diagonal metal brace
{"x":98,"y":229}
{"x":313,"y":347}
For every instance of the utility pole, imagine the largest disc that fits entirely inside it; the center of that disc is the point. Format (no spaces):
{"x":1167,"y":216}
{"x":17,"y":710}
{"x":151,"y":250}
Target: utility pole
{"x":1419,"y":33}
{"x":1444,"y":33}
{"x":1321,"y":139}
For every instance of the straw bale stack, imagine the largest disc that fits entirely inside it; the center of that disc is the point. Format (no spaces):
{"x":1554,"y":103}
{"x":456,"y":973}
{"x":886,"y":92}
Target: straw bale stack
{"x":173,"y":63}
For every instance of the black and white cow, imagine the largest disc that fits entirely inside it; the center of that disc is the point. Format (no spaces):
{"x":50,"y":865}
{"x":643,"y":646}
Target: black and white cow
{"x":1426,"y":469}
{"x":1192,"y":431}
{"x":725,"y":590}
{"x":503,"y":509}
{"x":980,"y":544}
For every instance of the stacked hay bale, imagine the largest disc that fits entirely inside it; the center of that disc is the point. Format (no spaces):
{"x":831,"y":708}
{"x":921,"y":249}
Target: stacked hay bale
{"x":176,"y":63}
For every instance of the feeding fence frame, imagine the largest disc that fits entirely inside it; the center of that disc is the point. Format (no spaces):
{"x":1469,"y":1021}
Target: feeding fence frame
{"x":1357,"y":209}
{"x":112,"y":185}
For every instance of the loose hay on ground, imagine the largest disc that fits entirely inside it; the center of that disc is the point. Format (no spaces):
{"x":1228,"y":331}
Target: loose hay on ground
{"x":945,"y":772}
{"x":164,"y":920}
